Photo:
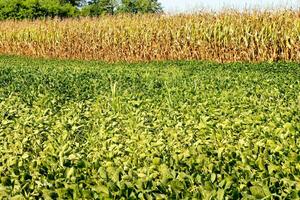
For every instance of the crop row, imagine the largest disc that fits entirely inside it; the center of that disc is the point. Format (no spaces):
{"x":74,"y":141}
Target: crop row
{"x":171,"y":130}
{"x":224,"y":37}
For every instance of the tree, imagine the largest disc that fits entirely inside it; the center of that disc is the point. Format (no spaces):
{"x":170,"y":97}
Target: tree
{"x":19,"y":9}
{"x":73,"y":2}
{"x":140,"y":6}
{"x":33,"y":9}
{"x":100,"y":7}
{"x":128,"y":6}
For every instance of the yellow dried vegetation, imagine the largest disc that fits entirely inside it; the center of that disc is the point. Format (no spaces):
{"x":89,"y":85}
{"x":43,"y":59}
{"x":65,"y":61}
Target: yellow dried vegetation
{"x":223,"y":37}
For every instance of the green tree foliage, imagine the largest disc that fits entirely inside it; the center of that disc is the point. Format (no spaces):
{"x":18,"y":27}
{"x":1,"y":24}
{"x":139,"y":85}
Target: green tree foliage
{"x":32,"y":9}
{"x":140,"y":6}
{"x":100,"y":7}
{"x":74,"y":2}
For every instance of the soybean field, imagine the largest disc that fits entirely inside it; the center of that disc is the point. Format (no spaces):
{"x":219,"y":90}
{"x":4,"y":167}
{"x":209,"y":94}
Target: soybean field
{"x":158,"y":130}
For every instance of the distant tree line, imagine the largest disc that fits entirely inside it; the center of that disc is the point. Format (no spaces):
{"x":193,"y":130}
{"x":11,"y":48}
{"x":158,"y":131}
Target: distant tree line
{"x":34,"y":9}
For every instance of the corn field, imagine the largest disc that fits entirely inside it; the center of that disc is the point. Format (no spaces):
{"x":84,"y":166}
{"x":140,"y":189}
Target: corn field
{"x":228,"y":36}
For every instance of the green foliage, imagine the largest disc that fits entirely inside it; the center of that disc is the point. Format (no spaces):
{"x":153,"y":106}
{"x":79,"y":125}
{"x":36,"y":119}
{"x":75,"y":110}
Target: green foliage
{"x":32,"y":9}
{"x":140,"y":6}
{"x":74,"y":2}
{"x":172,"y":130}
{"x":100,"y":7}
{"x":103,"y":7}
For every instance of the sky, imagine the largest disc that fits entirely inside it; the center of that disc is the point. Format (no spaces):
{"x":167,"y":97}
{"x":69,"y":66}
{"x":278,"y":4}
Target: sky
{"x":194,"y":5}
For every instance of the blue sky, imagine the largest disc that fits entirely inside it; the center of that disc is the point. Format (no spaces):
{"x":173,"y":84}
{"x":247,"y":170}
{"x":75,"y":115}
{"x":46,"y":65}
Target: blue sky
{"x":193,"y":5}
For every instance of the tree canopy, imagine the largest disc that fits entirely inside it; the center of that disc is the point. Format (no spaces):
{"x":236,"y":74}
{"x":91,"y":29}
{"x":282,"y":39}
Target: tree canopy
{"x":140,"y":6}
{"x":32,"y":9}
